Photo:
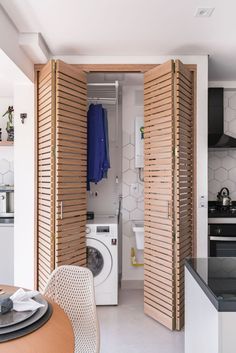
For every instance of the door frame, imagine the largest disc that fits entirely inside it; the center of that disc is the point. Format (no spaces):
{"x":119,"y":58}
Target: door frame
{"x":135,"y":68}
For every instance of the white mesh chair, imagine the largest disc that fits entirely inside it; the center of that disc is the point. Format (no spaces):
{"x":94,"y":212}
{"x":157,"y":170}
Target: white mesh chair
{"x":71,"y":287}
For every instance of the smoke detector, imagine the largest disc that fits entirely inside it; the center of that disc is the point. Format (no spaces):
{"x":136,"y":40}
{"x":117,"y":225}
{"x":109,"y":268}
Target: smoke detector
{"x":204,"y":11}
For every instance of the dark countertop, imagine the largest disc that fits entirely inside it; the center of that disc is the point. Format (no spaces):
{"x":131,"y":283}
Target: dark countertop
{"x":217,"y":278}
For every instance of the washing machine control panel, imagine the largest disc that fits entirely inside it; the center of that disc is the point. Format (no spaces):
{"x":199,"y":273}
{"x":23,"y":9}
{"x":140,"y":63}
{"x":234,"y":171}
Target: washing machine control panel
{"x":102,"y":229}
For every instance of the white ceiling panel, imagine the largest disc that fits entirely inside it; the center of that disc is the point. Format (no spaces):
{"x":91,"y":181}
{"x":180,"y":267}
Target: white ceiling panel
{"x":133,"y":27}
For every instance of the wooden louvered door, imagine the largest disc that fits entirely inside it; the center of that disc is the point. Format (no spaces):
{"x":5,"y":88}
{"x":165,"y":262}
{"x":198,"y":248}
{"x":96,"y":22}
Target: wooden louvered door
{"x":71,"y":165}
{"x":159,"y":278}
{"x":184,"y":143}
{"x":46,"y":173}
{"x":62,"y":165}
{"x":168,"y":190}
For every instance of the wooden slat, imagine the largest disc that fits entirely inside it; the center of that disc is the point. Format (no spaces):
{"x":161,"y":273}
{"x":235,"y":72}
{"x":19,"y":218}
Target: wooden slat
{"x":184,"y":136}
{"x":168,"y":189}
{"x":158,"y":191}
{"x":71,"y":142}
{"x":45,"y":189}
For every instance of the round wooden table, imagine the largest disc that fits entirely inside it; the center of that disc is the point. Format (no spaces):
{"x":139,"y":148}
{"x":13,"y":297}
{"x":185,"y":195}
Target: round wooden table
{"x":56,"y":336}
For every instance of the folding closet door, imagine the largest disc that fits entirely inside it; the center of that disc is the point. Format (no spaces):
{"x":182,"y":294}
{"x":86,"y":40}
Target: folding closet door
{"x":168,"y":190}
{"x":159,"y":280}
{"x":184,"y":179}
{"x":45,"y":94}
{"x":71,"y":165}
{"x":62,"y":168}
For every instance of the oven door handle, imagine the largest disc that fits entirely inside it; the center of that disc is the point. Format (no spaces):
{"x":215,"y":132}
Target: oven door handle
{"x":223,"y":238}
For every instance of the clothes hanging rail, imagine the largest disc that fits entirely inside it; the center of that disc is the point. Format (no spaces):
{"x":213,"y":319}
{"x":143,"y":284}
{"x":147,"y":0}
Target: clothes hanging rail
{"x":103,"y":92}
{"x":102,"y":100}
{"x":100,"y":84}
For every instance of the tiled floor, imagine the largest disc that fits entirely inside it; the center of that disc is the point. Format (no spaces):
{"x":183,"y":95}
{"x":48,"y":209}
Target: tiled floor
{"x":125,"y":328}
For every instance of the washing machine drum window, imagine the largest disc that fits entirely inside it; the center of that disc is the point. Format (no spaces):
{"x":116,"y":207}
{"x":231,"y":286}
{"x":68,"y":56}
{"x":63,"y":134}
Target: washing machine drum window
{"x":95,"y":260}
{"x":99,"y":260}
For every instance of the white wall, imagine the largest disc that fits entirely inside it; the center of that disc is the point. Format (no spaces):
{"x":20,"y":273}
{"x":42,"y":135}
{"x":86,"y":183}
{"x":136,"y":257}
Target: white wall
{"x":201,"y":125}
{"x":24,"y":157}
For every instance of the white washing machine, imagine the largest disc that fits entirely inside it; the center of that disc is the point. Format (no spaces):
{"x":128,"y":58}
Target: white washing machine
{"x":102,"y":258}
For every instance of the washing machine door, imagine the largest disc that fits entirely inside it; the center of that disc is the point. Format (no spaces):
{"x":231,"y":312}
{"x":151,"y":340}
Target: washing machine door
{"x":99,"y":260}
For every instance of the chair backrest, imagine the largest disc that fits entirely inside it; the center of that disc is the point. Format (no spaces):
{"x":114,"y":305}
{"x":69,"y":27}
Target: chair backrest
{"x":72,"y":288}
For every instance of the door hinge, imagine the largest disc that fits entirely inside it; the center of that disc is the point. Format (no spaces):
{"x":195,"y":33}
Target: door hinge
{"x":54,"y":65}
{"x":53,"y":237}
{"x":175,"y":151}
{"x":174,"y":67}
{"x":53,"y":151}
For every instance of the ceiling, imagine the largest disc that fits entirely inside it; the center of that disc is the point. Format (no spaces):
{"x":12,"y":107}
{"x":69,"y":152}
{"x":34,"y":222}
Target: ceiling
{"x":133,"y":27}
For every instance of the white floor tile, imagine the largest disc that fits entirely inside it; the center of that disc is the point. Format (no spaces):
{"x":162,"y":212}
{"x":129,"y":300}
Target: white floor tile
{"x":125,"y":328}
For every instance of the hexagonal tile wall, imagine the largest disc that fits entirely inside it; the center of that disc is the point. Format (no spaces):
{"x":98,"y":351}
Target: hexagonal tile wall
{"x":6,"y":172}
{"x":128,"y":151}
{"x":129,"y":203}
{"x":228,"y":162}
{"x":125,"y":164}
{"x":8,"y":178}
{"x":221,"y":172}
{"x":125,"y":190}
{"x":214,"y":187}
{"x":4,"y":166}
{"x":129,"y":177}
{"x":132,"y":205}
{"x":214,"y":162}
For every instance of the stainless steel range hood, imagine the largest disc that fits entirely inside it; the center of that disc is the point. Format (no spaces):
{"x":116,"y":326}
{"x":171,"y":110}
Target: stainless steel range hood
{"x":216,"y":135}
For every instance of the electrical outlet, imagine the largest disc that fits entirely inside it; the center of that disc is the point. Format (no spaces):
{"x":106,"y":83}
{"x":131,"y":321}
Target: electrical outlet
{"x":203,"y":201}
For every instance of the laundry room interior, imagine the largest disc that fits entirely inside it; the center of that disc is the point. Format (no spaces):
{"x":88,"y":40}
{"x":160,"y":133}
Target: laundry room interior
{"x":115,"y":204}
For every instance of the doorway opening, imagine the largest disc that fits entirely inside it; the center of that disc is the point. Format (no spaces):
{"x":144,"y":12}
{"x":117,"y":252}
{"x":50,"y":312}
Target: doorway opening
{"x":168,"y":104}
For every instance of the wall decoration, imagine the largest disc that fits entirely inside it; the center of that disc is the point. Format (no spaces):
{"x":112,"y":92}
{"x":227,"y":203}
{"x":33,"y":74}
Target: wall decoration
{"x":10,"y":126}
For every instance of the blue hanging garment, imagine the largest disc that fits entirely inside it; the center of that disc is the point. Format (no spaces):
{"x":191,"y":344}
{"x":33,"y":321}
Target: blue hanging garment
{"x":107,"y":154}
{"x":98,"y":160}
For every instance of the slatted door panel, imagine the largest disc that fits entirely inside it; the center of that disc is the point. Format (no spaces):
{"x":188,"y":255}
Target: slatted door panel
{"x":71,"y":168}
{"x":184,"y":135}
{"x":45,"y":172}
{"x":159,"y":292}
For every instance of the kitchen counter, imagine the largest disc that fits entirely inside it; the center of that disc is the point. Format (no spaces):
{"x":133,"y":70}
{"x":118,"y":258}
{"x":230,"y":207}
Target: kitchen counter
{"x":217,"y":278}
{"x":210,"y":305}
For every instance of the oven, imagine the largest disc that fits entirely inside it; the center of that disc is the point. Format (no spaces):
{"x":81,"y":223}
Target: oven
{"x":222,"y":237}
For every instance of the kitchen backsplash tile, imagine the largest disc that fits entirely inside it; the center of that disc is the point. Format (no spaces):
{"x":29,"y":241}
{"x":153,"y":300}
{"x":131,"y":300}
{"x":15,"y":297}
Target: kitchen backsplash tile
{"x":222,"y":162}
{"x":221,"y":172}
{"x":6,"y":171}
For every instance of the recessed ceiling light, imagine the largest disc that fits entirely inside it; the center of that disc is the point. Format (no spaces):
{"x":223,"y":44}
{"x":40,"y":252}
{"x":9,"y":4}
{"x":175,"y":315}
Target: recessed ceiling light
{"x":204,"y":11}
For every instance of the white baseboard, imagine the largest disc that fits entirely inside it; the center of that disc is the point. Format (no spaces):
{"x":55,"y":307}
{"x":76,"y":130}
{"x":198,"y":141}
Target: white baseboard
{"x":132,"y":284}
